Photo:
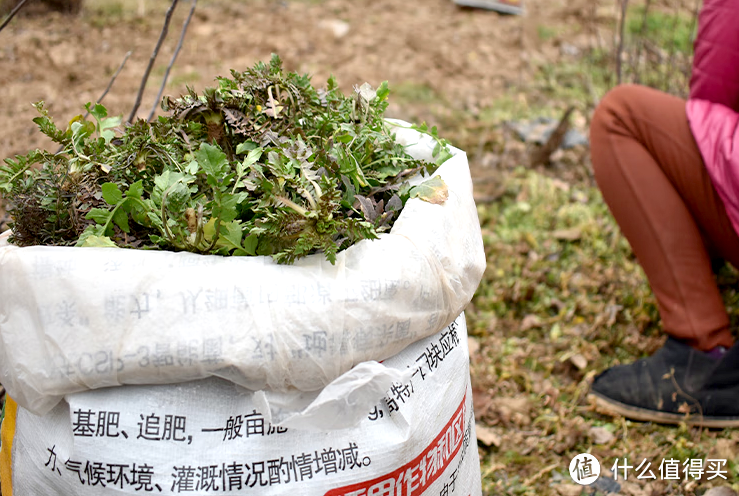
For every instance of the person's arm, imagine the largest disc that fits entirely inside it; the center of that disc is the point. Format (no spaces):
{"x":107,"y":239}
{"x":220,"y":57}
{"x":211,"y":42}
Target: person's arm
{"x":715,"y":75}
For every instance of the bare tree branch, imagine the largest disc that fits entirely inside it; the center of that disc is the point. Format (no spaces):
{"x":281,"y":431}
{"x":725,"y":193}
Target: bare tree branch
{"x":12,"y":14}
{"x":669,"y":68}
{"x":162,"y":36}
{"x":112,"y":80}
{"x":636,"y":62}
{"x":687,"y":68}
{"x":110,"y":85}
{"x":171,"y":62}
{"x":620,"y":49}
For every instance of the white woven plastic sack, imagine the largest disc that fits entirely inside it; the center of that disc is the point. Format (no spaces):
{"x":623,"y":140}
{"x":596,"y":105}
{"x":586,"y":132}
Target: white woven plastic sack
{"x":73,"y":319}
{"x":212,"y":437}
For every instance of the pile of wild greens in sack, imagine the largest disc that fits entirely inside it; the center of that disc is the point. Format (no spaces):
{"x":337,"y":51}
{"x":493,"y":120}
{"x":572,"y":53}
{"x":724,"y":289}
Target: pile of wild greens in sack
{"x":263,"y":164}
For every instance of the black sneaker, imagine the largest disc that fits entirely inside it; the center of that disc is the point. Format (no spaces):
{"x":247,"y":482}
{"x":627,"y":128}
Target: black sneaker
{"x":676,"y":384}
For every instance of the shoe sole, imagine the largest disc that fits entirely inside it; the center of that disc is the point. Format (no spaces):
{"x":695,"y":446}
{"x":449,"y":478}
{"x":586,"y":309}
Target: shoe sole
{"x":611,"y":407}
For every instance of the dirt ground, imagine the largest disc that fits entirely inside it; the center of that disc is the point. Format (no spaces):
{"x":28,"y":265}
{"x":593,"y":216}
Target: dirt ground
{"x":424,"y":48}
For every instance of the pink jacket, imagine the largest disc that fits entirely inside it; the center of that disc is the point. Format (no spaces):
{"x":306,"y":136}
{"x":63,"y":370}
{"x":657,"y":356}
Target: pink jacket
{"x":714,"y":98}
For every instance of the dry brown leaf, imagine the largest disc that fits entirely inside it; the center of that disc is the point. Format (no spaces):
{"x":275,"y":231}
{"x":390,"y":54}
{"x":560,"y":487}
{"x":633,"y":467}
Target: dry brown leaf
{"x":530,"y":321}
{"x":518,"y":404}
{"x":572,"y":234}
{"x":562,"y":185}
{"x":579,"y":361}
{"x":487,"y":436}
{"x":632,"y":489}
{"x":473,"y":345}
{"x":513,"y":410}
{"x":600,"y":435}
{"x":568,"y":490}
{"x":481,"y":401}
{"x":720,"y":491}
{"x":725,"y":449}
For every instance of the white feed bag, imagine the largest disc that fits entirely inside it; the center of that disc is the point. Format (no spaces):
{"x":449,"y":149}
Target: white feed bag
{"x":74,"y":319}
{"x":213,"y":437}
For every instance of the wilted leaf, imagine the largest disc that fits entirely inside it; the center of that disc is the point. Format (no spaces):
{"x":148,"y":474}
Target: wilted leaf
{"x":518,"y":404}
{"x":530,"y":321}
{"x":368,"y":207}
{"x":433,"y":190}
{"x":632,"y":489}
{"x":725,"y":449}
{"x":567,"y":234}
{"x":487,"y":436}
{"x":600,"y":435}
{"x":481,"y":402}
{"x":394,"y":204}
{"x":568,"y":490}
{"x":612,"y":314}
{"x":720,"y":491}
{"x":473,"y":345}
{"x":366,"y":93}
{"x":514,"y":410}
{"x":579,"y":361}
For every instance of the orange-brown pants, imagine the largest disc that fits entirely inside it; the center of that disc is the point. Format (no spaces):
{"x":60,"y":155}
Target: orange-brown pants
{"x":652,"y":176}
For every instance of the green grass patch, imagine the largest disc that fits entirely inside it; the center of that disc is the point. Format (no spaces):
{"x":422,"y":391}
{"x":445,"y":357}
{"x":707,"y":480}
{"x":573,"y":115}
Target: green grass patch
{"x":672,"y":31}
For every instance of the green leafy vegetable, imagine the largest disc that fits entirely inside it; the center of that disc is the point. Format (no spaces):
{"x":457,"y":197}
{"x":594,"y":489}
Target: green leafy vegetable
{"x":262,"y":164}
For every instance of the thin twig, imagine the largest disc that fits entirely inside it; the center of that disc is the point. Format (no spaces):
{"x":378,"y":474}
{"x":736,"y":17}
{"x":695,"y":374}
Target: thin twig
{"x":620,"y":49}
{"x":636,"y":63}
{"x":162,"y":36}
{"x":693,"y":24}
{"x":672,"y":49}
{"x":171,"y":62}
{"x":110,"y":85}
{"x":12,"y":14}
{"x":112,"y":80}
{"x":539,"y":474}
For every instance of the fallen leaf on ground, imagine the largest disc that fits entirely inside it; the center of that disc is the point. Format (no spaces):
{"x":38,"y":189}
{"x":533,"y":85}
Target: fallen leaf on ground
{"x":530,"y":321}
{"x":725,"y":449}
{"x":513,"y":410}
{"x":487,"y":436}
{"x":600,"y":435}
{"x":473,"y":345}
{"x":631,"y":489}
{"x":579,"y":361}
{"x":720,"y":491}
{"x":567,"y":234}
{"x":568,"y":490}
{"x":481,"y":401}
{"x":518,"y":404}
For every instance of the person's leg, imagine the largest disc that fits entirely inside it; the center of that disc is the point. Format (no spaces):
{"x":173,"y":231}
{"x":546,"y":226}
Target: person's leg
{"x":653,"y":179}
